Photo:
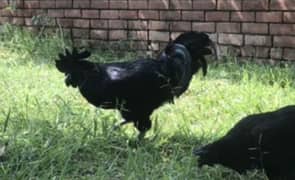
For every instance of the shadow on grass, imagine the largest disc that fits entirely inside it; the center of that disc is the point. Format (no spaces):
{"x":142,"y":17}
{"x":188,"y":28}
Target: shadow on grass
{"x":82,"y":152}
{"x":47,"y":150}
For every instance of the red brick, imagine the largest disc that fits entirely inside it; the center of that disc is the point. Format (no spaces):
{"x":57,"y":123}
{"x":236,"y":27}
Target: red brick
{"x":47,"y":4}
{"x":282,"y":29}
{"x":51,"y":23}
{"x":25,"y":13}
{"x":231,"y":39}
{"x":90,"y":14}
{"x":99,"y":34}
{"x":248,"y":51}
{"x":138,"y":35}
{"x":181,"y":26}
{"x":117,"y":35}
{"x":81,"y":3}
{"x":17,"y":21}
{"x":3,"y":4}
{"x":117,"y":24}
{"x":28,"y":22}
{"x":289,"y":54}
{"x":8,"y":12}
{"x":31,"y":4}
{"x":81,"y":23}
{"x":227,"y":50}
{"x":148,"y":14}
{"x":203,"y":27}
{"x":243,"y":16}
{"x":99,"y":4}
{"x":5,"y":12}
{"x":228,"y":27}
{"x":19,"y":12}
{"x":65,"y":22}
{"x":19,"y":4}
{"x":63,"y":4}
{"x":276,"y":53}
{"x":126,"y":14}
{"x":284,"y":41}
{"x":269,"y":16}
{"x":217,"y":16}
{"x":81,"y":43}
{"x":139,"y":45}
{"x":258,"y":40}
{"x":67,"y":32}
{"x":170,"y":15}
{"x":282,"y":5}
{"x":80,"y":33}
{"x":109,"y":14}
{"x":118,"y":4}
{"x":229,"y":5}
{"x":13,"y":13}
{"x":262,"y":52}
{"x":100,"y":24}
{"x":35,"y":12}
{"x":193,"y":15}
{"x":255,"y":28}
{"x":56,"y":13}
{"x":181,"y":4}
{"x":158,"y":25}
{"x":72,"y":13}
{"x":204,"y":4}
{"x":159,"y":36}
{"x":138,"y":4}
{"x":163,"y":4}
{"x":138,"y":25}
{"x":255,"y":5}
{"x":289,"y":17}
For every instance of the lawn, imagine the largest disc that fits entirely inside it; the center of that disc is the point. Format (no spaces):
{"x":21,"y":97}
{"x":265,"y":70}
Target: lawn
{"x":49,"y":131}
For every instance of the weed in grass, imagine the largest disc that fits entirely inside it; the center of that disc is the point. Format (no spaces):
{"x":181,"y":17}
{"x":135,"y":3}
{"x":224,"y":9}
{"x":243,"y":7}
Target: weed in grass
{"x":20,"y":46}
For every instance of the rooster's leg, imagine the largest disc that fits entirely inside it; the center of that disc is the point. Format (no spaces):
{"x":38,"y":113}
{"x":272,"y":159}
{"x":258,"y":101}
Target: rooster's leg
{"x":140,"y":119}
{"x":143,"y":125}
{"x":141,"y":135}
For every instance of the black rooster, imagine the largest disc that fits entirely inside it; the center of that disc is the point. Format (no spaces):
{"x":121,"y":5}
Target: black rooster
{"x":138,"y":87}
{"x":260,"y":141}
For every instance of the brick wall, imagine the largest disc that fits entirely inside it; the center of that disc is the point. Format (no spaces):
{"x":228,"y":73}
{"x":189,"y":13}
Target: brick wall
{"x":263,"y":29}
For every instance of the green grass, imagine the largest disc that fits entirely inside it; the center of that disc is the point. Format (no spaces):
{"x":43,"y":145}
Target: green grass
{"x":53,"y":133}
